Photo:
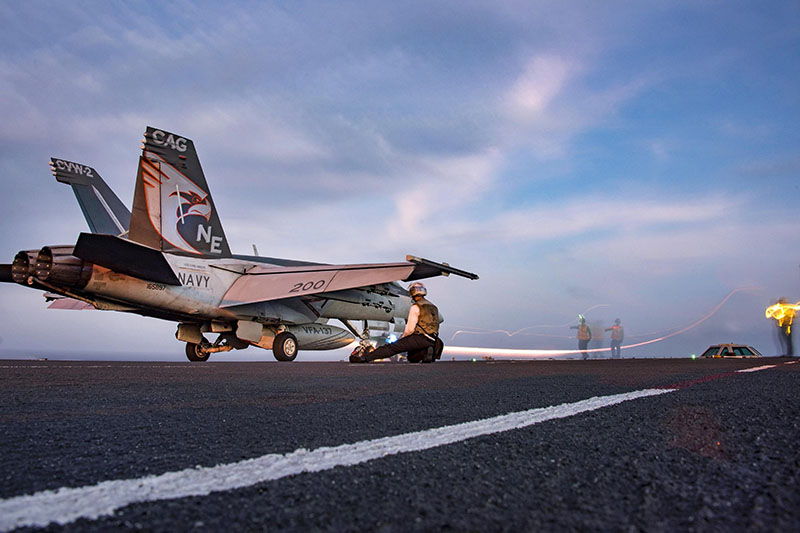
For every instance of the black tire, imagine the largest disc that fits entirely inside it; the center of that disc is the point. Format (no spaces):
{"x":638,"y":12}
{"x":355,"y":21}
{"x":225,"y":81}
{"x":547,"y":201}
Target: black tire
{"x":195,"y":353}
{"x":284,"y":347}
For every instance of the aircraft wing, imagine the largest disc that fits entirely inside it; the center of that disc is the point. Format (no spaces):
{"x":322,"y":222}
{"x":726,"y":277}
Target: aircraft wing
{"x":263,"y":283}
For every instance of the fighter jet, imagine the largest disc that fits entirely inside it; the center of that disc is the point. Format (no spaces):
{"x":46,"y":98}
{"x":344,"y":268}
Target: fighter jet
{"x":169,"y":259}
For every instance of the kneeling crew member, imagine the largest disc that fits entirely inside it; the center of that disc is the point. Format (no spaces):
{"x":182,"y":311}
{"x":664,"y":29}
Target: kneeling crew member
{"x":422,"y":330}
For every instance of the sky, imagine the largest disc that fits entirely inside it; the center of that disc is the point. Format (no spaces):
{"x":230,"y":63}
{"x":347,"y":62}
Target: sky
{"x":632,"y":160}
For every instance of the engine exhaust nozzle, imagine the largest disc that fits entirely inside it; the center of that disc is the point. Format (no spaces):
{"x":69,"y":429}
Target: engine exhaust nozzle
{"x":23,"y":267}
{"x":56,"y":265}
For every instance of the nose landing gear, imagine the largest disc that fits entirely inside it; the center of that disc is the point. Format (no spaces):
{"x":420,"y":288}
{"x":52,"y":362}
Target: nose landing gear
{"x":199,"y":352}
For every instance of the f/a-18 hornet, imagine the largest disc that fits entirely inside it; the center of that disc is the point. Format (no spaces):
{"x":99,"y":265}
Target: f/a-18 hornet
{"x":169,"y":258}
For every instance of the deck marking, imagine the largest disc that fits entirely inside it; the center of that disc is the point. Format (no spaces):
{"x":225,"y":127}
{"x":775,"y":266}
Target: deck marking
{"x":756,"y":368}
{"x":67,"y":504}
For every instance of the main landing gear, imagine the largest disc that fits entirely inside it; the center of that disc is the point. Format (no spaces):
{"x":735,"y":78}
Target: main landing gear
{"x":284,"y":347}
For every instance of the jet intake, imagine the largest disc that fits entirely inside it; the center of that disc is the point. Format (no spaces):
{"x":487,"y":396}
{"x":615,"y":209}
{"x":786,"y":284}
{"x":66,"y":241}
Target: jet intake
{"x":57,"y":266}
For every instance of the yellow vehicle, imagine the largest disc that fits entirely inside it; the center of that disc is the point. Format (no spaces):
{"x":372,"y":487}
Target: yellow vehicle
{"x":731,"y":350}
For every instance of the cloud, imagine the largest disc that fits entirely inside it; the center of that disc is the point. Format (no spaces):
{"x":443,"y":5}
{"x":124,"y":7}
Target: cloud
{"x":444,"y":188}
{"x":462,"y":218}
{"x":579,"y":215}
{"x":541,"y":80}
{"x":551,"y":102}
{"x":252,"y":128}
{"x":660,"y":148}
{"x":775,"y":167}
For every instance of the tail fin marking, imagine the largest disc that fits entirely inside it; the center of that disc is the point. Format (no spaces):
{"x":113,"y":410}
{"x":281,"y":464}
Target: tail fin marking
{"x":173,"y":210}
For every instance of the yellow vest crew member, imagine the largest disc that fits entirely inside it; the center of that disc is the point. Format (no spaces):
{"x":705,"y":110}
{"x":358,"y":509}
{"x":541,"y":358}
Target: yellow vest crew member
{"x":584,"y":336}
{"x":420,"y":336}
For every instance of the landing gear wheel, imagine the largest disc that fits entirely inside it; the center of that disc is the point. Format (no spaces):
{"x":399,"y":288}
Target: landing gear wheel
{"x":197,"y":352}
{"x":284,"y":347}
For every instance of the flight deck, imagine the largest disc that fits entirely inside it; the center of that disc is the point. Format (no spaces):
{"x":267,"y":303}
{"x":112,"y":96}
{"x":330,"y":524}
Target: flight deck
{"x":650,"y":444}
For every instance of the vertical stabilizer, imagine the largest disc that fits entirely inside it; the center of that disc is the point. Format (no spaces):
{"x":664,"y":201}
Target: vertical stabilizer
{"x":103,"y":211}
{"x":172,"y":207}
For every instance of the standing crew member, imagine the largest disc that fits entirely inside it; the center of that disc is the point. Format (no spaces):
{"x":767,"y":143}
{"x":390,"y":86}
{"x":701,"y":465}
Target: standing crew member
{"x":617,"y":334}
{"x":784,"y":314}
{"x":418,"y":339}
{"x":584,"y":336}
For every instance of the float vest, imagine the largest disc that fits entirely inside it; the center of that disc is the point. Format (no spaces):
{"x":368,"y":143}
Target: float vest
{"x":788,"y":317}
{"x":616,"y":333}
{"x":428,"y":321}
{"x":583,"y":333}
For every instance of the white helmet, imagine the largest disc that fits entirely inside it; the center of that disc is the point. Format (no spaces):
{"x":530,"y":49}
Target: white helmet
{"x":417,"y":289}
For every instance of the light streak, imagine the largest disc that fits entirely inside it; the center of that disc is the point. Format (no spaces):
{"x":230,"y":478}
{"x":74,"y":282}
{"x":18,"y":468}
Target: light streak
{"x":696,"y":323}
{"x":522,"y":353}
{"x":479,"y":331}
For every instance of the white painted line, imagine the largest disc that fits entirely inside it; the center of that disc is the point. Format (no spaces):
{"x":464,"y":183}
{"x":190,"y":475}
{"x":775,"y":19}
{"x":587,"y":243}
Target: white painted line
{"x":109,"y":211}
{"x":66,"y":504}
{"x":757,"y":368}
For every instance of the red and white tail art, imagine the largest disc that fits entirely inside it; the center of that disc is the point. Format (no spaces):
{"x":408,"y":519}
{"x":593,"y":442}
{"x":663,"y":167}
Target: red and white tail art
{"x":172,"y":208}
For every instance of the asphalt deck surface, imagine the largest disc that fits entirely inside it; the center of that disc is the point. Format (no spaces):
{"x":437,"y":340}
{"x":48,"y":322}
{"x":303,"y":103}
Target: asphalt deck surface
{"x":718,"y":454}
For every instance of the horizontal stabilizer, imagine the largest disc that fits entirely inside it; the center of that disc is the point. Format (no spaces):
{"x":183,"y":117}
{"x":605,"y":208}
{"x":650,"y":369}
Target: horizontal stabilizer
{"x":425,"y":268}
{"x":262,"y":284}
{"x":70,"y":304}
{"x":125,"y":257}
